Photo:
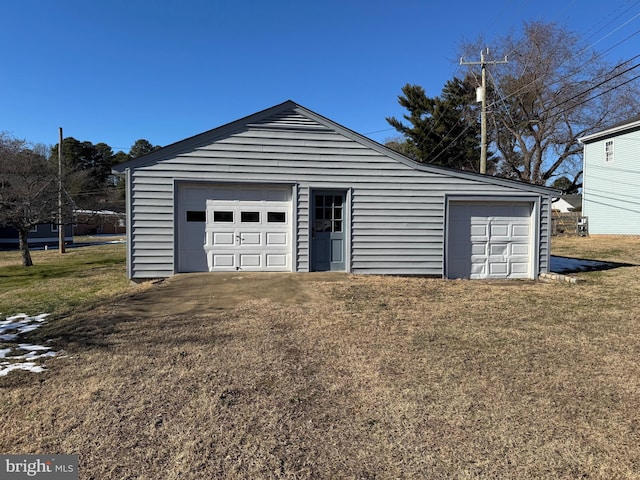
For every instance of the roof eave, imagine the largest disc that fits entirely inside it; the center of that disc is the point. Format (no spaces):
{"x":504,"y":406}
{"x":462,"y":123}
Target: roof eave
{"x":610,"y":131}
{"x":209,"y":135}
{"x":422,"y":166}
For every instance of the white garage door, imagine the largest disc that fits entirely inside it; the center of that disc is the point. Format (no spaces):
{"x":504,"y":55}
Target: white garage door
{"x":249,"y":229}
{"x":490,"y":240}
{"x":232,"y":228}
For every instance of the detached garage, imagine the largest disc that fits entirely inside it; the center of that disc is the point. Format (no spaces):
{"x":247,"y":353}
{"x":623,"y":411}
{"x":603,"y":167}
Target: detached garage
{"x":287,"y":190}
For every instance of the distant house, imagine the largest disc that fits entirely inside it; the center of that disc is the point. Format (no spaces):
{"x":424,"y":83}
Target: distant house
{"x":611,"y":179}
{"x":99,"y":222}
{"x":41,"y":235}
{"x":567,"y":203}
{"x":288,"y":190}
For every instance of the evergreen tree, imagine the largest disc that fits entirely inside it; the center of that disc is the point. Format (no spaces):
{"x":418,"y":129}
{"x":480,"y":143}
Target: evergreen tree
{"x":442,"y":130}
{"x":142,"y":147}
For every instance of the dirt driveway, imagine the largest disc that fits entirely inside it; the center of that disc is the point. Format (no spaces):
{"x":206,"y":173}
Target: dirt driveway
{"x":202,"y":293}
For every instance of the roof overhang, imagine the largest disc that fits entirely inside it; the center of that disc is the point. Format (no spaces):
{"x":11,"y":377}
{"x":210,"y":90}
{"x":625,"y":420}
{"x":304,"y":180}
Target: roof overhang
{"x":610,"y":132}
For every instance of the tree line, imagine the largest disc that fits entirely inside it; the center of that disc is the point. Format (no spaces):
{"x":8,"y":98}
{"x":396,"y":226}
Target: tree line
{"x":89,"y":178}
{"x":29,"y":182}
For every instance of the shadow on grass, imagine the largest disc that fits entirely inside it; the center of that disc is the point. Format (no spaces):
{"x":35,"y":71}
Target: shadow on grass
{"x":565,"y":265}
{"x":88,"y":327}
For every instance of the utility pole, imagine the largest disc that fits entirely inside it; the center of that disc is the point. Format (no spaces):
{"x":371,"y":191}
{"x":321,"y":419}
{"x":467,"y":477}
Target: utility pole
{"x":483,"y":99}
{"x":60,"y":189}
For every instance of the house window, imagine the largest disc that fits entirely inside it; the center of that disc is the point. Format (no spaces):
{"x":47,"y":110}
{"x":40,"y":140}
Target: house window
{"x":54,"y":228}
{"x":608,"y":151}
{"x":34,"y":229}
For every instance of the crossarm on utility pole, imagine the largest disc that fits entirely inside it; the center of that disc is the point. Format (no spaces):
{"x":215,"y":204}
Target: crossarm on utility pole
{"x":483,"y":112}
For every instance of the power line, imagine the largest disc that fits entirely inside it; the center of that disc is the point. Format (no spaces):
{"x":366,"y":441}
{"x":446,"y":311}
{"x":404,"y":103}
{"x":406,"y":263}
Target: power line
{"x":590,"y":89}
{"x":602,"y":93}
{"x":612,"y":32}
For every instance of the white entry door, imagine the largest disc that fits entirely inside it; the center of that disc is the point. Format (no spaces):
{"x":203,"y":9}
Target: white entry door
{"x":490,"y":240}
{"x":249,"y":229}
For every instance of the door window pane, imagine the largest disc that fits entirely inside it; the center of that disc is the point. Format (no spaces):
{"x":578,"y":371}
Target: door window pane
{"x":223,"y":216}
{"x":322,"y":225}
{"x":328,"y":213}
{"x":249,"y":217}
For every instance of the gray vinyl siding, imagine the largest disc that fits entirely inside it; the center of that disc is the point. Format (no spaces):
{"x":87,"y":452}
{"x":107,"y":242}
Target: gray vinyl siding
{"x":544,"y":259}
{"x":397,"y":212}
{"x":610,"y":194}
{"x":302,"y":248}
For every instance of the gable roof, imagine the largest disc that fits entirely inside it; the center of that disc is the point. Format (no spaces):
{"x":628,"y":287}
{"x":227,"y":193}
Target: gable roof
{"x":629,"y":124}
{"x":223,"y":131}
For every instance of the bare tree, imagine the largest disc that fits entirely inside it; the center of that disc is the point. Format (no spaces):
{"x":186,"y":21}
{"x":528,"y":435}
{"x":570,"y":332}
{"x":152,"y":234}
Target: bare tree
{"x":552,"y":92}
{"x":28,"y":189}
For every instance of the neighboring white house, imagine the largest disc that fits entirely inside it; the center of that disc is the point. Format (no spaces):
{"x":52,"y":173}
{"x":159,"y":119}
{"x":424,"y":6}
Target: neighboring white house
{"x":567,"y":203}
{"x":286,"y":189}
{"x":611,"y":179}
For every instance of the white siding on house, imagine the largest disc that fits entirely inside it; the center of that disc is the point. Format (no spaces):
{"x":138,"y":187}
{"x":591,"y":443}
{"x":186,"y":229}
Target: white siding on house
{"x":397,"y":213}
{"x":611,"y":198}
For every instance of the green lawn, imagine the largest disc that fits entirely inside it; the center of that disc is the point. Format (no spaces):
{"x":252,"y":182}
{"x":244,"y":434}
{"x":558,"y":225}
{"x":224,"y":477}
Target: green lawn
{"x":59,"y":283}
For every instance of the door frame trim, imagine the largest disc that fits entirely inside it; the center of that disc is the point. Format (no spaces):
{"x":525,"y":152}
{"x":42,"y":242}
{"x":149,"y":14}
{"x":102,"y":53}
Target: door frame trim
{"x":347,"y":217}
{"x":185,"y":182}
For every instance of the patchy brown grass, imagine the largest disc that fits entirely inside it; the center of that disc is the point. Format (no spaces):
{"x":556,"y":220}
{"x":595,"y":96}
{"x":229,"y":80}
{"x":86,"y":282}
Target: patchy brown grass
{"x":325,"y":376}
{"x":613,"y":248}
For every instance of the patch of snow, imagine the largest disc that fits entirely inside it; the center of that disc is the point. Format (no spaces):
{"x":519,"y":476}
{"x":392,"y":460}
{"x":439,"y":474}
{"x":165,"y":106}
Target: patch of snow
{"x":27,"y":328}
{"x":29,"y":366}
{"x":33,"y":356}
{"x":10,"y":330}
{"x":31,"y":348}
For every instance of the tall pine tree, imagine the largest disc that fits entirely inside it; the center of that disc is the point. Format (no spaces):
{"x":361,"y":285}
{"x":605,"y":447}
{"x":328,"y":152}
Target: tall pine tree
{"x":442,"y":130}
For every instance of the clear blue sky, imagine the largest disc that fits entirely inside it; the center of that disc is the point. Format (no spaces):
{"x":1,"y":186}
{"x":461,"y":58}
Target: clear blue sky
{"x":115,"y":71}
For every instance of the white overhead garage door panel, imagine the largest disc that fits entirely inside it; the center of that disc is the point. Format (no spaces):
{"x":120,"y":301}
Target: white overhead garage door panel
{"x":490,"y":240}
{"x":249,"y":229}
